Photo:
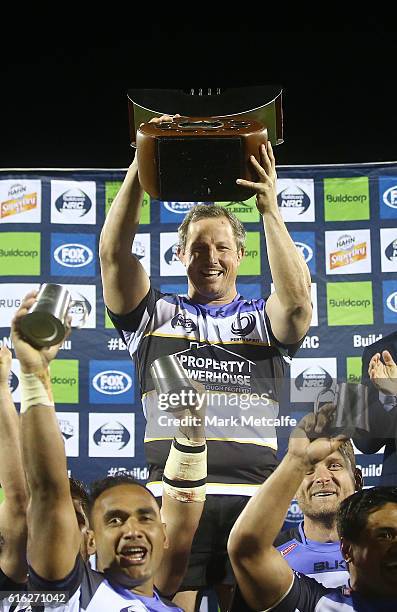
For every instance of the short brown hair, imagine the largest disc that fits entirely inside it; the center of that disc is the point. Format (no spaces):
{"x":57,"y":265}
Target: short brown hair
{"x":203,"y":211}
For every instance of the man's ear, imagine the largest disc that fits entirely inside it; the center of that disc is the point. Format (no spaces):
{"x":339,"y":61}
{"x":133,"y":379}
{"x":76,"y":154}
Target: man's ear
{"x":91,"y":544}
{"x":180,"y":254}
{"x":166,"y":541}
{"x":240,"y":254}
{"x":347,"y":550}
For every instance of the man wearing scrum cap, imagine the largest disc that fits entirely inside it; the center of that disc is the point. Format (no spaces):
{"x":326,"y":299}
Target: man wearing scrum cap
{"x":228,"y":343}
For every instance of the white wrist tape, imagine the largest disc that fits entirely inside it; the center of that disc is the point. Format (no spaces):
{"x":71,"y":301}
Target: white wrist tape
{"x":185,"y":473}
{"x":33,"y":392}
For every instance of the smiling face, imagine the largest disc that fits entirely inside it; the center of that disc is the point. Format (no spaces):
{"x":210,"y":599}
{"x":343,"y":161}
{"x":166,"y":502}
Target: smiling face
{"x":373,"y":558}
{"x":130,"y":537}
{"x":325,"y":486}
{"x":211,"y":259}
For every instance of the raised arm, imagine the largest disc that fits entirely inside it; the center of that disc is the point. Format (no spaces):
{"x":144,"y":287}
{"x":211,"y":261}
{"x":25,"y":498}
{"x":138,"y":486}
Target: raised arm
{"x":53,"y":533}
{"x":125,"y":282}
{"x":13,"y":531}
{"x":263,"y":576}
{"x":289,"y":307}
{"x":183,"y":499}
{"x":378,"y":375}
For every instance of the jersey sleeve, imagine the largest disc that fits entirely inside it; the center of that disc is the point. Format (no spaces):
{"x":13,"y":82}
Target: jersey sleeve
{"x":304,"y":594}
{"x":132,"y":325}
{"x":70,"y":583}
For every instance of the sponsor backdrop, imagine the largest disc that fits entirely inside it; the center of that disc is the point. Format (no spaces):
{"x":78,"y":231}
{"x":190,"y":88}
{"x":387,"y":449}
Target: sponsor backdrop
{"x":342,"y":218}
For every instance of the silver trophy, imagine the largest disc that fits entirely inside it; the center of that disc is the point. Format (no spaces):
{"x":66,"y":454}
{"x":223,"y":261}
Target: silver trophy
{"x":46,"y":322}
{"x":169,"y":377}
{"x":351,"y":408}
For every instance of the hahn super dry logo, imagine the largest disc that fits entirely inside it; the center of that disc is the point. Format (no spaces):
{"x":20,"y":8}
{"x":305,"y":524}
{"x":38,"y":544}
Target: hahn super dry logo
{"x":243,"y":325}
{"x":295,"y":199}
{"x":73,"y":255}
{"x":20,"y":201}
{"x":180,"y":321}
{"x":111,"y":435}
{"x":73,"y":202}
{"x":112,"y":382}
{"x":348,"y":252}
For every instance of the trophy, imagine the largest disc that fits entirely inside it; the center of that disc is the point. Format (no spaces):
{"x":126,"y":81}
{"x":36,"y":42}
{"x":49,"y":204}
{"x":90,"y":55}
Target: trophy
{"x":46,"y":322}
{"x":169,"y":377}
{"x":351,"y":408}
{"x":199,"y":155}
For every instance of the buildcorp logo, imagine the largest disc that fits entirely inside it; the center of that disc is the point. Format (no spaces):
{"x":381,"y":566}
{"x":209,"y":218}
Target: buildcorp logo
{"x":113,"y":435}
{"x":180,"y":208}
{"x":306,"y":251}
{"x":391,"y":302}
{"x":244,"y":325}
{"x":73,"y":255}
{"x":391,"y":251}
{"x":390,"y":197}
{"x":112,"y":382}
{"x":314,"y":377}
{"x":13,"y":381}
{"x":171,"y":254}
{"x":294,"y":197}
{"x":74,"y":200}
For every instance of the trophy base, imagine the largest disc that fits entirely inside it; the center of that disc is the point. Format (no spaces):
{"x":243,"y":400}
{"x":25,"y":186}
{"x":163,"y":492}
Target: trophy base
{"x":42,"y":329}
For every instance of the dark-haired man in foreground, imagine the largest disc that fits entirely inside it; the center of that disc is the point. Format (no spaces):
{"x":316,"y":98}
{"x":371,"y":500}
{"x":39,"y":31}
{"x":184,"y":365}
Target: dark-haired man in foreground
{"x":367,"y":526}
{"x":135,"y":548}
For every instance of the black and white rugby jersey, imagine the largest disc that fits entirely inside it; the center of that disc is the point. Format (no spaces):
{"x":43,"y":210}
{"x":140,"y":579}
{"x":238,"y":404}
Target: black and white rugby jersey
{"x":231,"y":350}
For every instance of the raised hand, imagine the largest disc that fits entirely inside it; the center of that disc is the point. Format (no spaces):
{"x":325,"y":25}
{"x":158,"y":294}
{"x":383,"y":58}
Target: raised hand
{"x":383,"y":374}
{"x":306,"y":442}
{"x":31,"y":359}
{"x":265,"y":187}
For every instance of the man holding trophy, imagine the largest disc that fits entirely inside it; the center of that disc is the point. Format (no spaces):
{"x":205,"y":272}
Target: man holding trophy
{"x":234,"y":346}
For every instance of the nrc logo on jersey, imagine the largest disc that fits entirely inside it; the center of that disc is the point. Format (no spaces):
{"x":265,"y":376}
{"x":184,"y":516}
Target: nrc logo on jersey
{"x":73,"y":255}
{"x":112,"y":382}
{"x":112,"y":434}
